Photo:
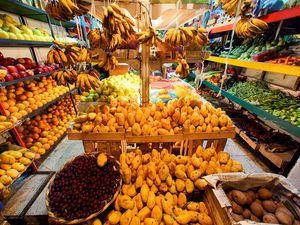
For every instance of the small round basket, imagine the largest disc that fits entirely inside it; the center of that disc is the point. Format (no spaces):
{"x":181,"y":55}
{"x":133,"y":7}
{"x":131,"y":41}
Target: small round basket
{"x":60,"y":220}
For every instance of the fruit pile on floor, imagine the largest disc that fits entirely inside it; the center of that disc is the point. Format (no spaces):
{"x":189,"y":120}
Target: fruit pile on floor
{"x":13,"y":162}
{"x":10,"y":29}
{"x":41,"y":132}
{"x":24,"y":97}
{"x":157,"y":186}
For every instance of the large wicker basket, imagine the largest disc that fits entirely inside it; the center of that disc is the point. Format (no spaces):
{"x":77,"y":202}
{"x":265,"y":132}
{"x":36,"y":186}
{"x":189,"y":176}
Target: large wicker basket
{"x":59,"y":220}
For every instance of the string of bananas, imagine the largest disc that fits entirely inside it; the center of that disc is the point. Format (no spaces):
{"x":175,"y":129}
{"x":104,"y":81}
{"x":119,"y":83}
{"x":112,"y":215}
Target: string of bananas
{"x":86,"y":82}
{"x":201,"y":39}
{"x":149,"y":37}
{"x":85,"y":55}
{"x":249,"y":28}
{"x":115,"y":20}
{"x":57,"y":56}
{"x":181,"y":36}
{"x":65,"y":10}
{"x":108,"y":62}
{"x":183,"y":67}
{"x":230,"y":7}
{"x":63,"y":77}
{"x":98,"y":39}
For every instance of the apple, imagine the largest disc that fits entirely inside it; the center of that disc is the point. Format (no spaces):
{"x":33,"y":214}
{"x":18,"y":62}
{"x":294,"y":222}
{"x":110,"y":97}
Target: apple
{"x":46,"y":69}
{"x":38,"y":71}
{"x":12,"y":69}
{"x":20,"y":67}
{"x":22,"y":74}
{"x":15,"y":75}
{"x":1,"y":56}
{"x":28,"y":60}
{"x":30,"y":73}
{"x":8,"y":77}
{"x":21,"y":60}
{"x":27,"y":66}
{"x":7,"y":61}
{"x":41,"y":66}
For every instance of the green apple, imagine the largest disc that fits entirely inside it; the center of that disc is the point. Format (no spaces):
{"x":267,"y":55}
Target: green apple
{"x":12,"y":35}
{"x":37,"y":32}
{"x":3,"y":34}
{"x":5,"y":28}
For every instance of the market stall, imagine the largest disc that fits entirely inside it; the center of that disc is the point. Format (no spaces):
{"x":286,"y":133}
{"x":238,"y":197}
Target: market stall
{"x":154,"y":150}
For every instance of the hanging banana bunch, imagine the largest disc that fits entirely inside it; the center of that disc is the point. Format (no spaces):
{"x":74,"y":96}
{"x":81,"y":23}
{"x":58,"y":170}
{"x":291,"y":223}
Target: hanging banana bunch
{"x":108,"y":62}
{"x":85,"y":55}
{"x":149,"y":37}
{"x":57,"y":56}
{"x":249,"y":28}
{"x":201,"y":39}
{"x":65,"y":10}
{"x":230,"y":7}
{"x":117,"y":22}
{"x":63,"y":77}
{"x":181,"y":36}
{"x":183,"y":67}
{"x":87,"y":82}
{"x":115,"y":42}
{"x":98,"y":39}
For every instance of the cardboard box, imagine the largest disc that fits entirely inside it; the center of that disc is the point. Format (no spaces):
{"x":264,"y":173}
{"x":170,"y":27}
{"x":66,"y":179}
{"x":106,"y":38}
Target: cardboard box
{"x":220,"y":207}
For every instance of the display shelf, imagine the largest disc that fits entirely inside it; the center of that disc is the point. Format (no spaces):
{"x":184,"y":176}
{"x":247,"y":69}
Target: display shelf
{"x":23,"y":43}
{"x":26,"y":78}
{"x":288,"y":127}
{"x":270,"y":18}
{"x":268,"y":67}
{"x":39,"y":161}
{"x":44,"y":107}
{"x":18,"y":7}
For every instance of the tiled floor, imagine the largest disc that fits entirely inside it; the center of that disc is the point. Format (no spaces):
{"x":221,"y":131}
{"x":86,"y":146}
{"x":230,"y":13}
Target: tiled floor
{"x":66,"y":150}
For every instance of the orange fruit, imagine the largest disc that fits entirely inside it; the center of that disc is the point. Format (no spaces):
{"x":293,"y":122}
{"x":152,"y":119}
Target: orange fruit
{"x":23,"y":112}
{"x":29,"y":94}
{"x":22,"y":97}
{"x":26,"y":103}
{"x":31,"y":100}
{"x":46,"y":146}
{"x":17,"y":115}
{"x":5,"y":105}
{"x":39,"y":104}
{"x":21,"y":106}
{"x":11,"y":96}
{"x":11,"y":102}
{"x":13,"y":109}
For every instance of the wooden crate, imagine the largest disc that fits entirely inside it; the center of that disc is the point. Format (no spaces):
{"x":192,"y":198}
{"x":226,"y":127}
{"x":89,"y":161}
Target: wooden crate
{"x":108,"y":142}
{"x":219,"y":215}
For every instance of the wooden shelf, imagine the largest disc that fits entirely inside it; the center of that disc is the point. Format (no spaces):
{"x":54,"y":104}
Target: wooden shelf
{"x":268,"y":67}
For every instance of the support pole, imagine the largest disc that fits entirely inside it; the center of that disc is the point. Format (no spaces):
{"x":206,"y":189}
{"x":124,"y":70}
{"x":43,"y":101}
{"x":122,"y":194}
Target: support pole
{"x":145,"y":75}
{"x":145,"y":78}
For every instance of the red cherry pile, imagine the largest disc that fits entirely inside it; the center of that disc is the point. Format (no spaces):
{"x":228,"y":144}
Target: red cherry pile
{"x":82,"y":187}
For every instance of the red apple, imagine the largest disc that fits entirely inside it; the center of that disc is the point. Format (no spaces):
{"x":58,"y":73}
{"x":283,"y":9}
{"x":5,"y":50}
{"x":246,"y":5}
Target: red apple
{"x":30,"y":73}
{"x":38,"y":71}
{"x":28,"y":61}
{"x":23,"y":74}
{"x":12,"y":69}
{"x":46,"y":70}
{"x":15,"y":75}
{"x":20,"y":67}
{"x":41,"y":66}
{"x":21,"y":60}
{"x":5,"y":62}
{"x":1,"y":56}
{"x":8,"y":77}
{"x":27,"y":66}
